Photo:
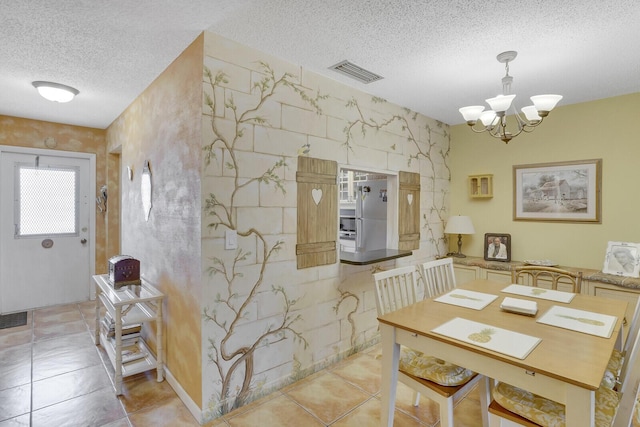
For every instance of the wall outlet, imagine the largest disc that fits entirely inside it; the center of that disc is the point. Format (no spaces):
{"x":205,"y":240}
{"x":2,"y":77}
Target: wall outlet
{"x":231,"y":239}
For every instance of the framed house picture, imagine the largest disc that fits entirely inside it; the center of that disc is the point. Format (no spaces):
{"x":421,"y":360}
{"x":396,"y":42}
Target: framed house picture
{"x":622,"y":259}
{"x":497,"y":247}
{"x":561,"y":192}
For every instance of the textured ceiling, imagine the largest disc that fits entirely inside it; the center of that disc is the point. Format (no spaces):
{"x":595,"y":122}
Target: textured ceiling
{"x":435,"y":56}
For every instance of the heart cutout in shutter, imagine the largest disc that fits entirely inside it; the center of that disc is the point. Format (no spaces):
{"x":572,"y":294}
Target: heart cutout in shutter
{"x":316,"y":194}
{"x":410,"y":199}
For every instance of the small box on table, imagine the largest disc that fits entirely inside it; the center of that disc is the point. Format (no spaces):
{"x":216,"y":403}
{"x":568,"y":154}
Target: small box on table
{"x":124,"y":270}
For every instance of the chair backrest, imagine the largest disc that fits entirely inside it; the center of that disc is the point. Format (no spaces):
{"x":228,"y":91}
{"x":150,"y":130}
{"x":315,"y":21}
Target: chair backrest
{"x":630,"y":379}
{"x":548,"y":275}
{"x":632,"y":335}
{"x":438,"y":276}
{"x":396,"y":288}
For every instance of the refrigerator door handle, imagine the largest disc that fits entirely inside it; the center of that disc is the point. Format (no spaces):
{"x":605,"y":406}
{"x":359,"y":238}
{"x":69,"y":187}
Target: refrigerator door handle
{"x":358,"y":234}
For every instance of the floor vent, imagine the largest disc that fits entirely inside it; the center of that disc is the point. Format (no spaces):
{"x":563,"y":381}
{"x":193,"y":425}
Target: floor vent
{"x":12,"y":320}
{"x":352,"y":70}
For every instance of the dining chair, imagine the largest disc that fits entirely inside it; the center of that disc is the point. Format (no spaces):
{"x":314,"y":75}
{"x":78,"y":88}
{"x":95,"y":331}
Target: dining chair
{"x":434,"y":378}
{"x":616,"y":361}
{"x":614,"y":407}
{"x":438,"y":276}
{"x":537,"y":275}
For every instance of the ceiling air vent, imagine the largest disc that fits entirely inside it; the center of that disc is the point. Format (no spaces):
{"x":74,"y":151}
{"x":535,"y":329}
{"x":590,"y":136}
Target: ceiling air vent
{"x":352,"y":70}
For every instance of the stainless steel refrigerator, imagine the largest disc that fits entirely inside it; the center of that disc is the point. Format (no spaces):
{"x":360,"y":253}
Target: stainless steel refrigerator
{"x":371,"y":215}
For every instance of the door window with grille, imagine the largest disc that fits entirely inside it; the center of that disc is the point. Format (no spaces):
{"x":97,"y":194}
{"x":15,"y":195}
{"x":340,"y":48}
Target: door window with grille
{"x":46,"y":201}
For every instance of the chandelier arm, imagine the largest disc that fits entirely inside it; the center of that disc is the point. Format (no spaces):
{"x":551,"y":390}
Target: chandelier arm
{"x":473,"y":128}
{"x":500,"y":130}
{"x":529,"y":127}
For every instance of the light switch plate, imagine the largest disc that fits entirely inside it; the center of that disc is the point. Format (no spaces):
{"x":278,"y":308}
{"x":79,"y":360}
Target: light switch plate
{"x":231,"y":239}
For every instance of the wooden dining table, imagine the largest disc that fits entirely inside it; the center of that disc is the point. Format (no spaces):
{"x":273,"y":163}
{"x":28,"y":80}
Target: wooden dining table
{"x":565,"y":366}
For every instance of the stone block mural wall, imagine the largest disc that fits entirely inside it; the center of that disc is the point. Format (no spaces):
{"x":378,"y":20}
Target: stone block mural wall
{"x":264,"y":322}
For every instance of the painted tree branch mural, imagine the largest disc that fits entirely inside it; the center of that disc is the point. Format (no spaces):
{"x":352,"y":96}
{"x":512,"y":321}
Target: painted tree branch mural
{"x":232,"y":355}
{"x":432,"y":148}
{"x":344,"y":296}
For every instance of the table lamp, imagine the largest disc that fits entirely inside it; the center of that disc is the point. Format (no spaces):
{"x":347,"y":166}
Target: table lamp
{"x":459,"y":225}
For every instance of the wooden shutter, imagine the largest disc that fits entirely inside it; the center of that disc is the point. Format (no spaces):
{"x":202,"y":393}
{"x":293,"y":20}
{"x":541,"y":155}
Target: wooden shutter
{"x":317,"y":212}
{"x":409,"y":211}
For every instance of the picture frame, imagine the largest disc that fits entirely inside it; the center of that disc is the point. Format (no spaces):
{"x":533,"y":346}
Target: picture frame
{"x":561,"y":192}
{"x":622,"y":259}
{"x":497,"y":247}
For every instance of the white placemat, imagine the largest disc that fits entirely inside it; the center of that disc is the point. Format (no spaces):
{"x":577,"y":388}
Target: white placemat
{"x":534,"y":292}
{"x":579,"y":320}
{"x":468,"y":299}
{"x":503,"y":341}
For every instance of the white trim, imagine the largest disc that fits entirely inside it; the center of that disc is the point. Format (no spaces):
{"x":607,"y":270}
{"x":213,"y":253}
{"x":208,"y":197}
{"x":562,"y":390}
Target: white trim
{"x":184,"y":396}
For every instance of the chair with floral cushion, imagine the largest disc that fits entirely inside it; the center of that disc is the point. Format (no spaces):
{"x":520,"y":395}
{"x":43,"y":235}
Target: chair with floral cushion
{"x":436,"y":379}
{"x":438,"y":276}
{"x":613,"y":407}
{"x":552,"y":276}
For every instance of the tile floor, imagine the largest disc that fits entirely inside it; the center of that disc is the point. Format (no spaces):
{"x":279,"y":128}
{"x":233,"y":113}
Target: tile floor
{"x":52,"y":374}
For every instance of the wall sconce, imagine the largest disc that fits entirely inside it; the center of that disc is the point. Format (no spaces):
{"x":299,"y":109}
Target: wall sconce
{"x":101,"y":200}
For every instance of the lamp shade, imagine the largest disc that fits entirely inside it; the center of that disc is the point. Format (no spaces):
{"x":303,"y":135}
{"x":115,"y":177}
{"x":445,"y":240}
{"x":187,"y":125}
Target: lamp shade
{"x":471,"y":113}
{"x":500,"y":103}
{"x":489,"y":118}
{"x":55,"y":92}
{"x":545,"y":102}
{"x":459,"y":224}
{"x":531,"y":113}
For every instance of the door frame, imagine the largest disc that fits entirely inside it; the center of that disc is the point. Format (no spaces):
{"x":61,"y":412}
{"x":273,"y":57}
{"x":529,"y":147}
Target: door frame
{"x":91,"y":157}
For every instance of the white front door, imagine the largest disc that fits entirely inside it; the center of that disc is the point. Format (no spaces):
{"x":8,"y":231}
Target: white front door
{"x":46,"y":227}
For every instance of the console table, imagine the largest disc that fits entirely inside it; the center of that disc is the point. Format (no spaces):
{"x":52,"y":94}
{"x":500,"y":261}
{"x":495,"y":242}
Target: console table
{"x":127,"y":306}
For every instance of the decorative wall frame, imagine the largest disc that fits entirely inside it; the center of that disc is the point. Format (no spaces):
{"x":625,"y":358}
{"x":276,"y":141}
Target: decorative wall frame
{"x":622,"y":259}
{"x":497,"y":247}
{"x":561,"y":192}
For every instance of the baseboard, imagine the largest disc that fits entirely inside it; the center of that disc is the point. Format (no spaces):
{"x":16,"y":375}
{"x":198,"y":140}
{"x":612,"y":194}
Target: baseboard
{"x":184,"y":396}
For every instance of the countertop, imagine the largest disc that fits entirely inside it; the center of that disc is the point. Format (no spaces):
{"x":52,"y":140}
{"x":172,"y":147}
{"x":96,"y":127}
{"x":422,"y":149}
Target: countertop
{"x":587,"y":273}
{"x":371,"y":257}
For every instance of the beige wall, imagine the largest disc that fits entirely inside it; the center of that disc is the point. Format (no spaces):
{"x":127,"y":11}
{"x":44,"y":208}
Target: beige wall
{"x":163,"y":126}
{"x":32,"y":133}
{"x":605,"y":129}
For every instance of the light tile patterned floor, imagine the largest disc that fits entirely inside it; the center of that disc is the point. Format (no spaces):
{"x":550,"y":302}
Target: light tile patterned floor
{"x":51,"y":374}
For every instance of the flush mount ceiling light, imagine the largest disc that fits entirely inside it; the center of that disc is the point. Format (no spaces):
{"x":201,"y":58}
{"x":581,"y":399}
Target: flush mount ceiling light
{"x":494,"y":121}
{"x":55,"y":92}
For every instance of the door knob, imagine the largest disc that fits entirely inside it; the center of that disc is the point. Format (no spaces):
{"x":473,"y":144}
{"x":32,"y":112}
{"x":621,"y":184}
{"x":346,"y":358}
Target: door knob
{"x":83,"y":241}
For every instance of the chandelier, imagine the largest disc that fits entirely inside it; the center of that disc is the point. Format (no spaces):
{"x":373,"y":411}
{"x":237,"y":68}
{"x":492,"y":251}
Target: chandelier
{"x":494,"y":120}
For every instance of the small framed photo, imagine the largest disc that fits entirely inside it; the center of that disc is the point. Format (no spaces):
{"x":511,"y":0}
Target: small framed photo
{"x":497,"y":247}
{"x":622,"y":259}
